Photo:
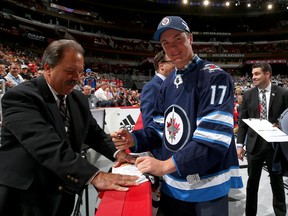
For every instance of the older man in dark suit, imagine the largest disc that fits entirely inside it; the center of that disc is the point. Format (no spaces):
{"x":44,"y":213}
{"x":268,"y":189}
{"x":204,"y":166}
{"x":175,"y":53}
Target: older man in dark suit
{"x":265,"y":101}
{"x":41,"y":165}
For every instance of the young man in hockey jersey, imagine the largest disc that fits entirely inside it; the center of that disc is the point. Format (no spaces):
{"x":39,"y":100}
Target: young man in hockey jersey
{"x":193,"y":122}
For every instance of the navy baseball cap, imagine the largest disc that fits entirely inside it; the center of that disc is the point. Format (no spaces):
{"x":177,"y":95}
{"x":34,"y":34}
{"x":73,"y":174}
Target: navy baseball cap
{"x":171,"y":22}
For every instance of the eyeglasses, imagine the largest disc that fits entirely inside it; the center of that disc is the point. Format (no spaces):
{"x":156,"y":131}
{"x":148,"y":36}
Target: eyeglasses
{"x":166,"y":61}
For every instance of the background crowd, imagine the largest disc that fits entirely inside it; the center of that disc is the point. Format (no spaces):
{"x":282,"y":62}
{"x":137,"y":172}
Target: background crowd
{"x":28,"y":66}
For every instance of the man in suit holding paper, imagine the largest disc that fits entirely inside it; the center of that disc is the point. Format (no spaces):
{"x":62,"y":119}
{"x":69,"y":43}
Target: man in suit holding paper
{"x":265,"y":101}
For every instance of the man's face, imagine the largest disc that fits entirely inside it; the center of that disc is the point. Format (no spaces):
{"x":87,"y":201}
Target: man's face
{"x":64,"y":76}
{"x":177,"y":46}
{"x":166,"y":66}
{"x":24,"y":70}
{"x":87,"y":90}
{"x":15,"y":69}
{"x":104,"y":87}
{"x":2,"y":70}
{"x":260,"y":79}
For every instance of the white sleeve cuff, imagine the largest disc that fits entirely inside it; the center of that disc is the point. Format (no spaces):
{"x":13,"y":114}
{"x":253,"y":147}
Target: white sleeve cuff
{"x":239,"y":145}
{"x":114,"y":155}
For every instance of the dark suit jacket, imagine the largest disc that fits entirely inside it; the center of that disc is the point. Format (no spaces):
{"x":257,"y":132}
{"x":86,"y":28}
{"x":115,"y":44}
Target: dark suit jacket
{"x":250,"y":109}
{"x":35,"y":147}
{"x":148,"y":95}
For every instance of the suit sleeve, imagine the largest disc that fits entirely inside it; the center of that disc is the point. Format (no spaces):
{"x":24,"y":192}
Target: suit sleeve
{"x":148,"y":94}
{"x":242,"y":126}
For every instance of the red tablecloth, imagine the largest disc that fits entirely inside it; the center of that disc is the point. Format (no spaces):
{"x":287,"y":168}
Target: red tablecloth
{"x":135,"y":202}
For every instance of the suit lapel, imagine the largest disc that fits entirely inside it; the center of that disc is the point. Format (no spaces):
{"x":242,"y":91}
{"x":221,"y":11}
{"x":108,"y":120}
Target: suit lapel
{"x":75,"y":114}
{"x":255,"y":101}
{"x":272,"y":96}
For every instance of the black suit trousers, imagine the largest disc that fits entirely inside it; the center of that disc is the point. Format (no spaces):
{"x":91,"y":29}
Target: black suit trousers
{"x":16,"y":202}
{"x":263,"y":152}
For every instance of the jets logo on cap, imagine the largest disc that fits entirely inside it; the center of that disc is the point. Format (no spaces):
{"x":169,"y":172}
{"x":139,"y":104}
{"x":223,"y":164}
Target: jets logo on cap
{"x":165,"y":21}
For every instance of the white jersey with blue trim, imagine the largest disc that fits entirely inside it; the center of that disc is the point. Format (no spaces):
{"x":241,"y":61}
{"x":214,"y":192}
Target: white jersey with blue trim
{"x":194,"y":118}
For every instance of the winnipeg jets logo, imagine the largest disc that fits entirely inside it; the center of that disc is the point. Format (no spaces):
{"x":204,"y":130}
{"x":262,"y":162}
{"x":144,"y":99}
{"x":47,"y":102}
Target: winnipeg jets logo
{"x":165,"y":21}
{"x":172,"y":127}
{"x":177,"y":128}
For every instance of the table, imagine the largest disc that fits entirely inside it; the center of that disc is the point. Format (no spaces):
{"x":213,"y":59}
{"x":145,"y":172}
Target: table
{"x":135,"y":202}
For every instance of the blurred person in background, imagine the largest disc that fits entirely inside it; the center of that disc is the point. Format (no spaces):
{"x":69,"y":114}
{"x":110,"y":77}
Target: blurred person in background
{"x":2,"y":69}
{"x":92,"y":99}
{"x":100,"y":93}
{"x":25,"y":73}
{"x":163,"y":66}
{"x":8,"y":84}
{"x":14,"y":74}
{"x":90,"y":79}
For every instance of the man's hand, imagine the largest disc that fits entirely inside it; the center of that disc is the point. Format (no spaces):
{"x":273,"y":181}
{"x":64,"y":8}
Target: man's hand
{"x":151,"y":165}
{"x":9,"y":84}
{"x":123,"y":157}
{"x":275,"y":125}
{"x":240,"y":153}
{"x":122,"y":139}
{"x":110,"y":181}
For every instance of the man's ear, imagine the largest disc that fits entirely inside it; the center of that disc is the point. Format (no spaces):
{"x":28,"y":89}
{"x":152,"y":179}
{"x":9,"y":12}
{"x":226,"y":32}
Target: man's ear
{"x":191,"y":38}
{"x":160,"y":66}
{"x":47,"y":68}
{"x":270,"y":73}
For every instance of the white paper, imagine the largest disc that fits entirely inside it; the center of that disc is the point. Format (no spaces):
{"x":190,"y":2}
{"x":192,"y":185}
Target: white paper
{"x":266,"y":130}
{"x":130,"y":169}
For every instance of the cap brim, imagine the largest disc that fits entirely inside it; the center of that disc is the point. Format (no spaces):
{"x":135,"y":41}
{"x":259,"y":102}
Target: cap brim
{"x":158,"y":33}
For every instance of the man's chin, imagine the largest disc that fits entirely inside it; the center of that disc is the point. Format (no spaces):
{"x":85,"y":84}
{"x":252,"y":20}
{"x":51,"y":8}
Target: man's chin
{"x":69,"y":90}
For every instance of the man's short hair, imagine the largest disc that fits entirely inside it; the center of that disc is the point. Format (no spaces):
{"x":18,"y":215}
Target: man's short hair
{"x":3,"y":62}
{"x":265,"y":67}
{"x":160,"y":56}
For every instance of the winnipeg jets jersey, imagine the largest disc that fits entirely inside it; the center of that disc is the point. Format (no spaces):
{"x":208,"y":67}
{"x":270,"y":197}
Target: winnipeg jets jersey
{"x":194,"y":123}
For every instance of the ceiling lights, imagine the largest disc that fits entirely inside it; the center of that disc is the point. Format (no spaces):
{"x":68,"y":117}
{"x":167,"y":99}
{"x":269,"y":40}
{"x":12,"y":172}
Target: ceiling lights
{"x":259,"y":4}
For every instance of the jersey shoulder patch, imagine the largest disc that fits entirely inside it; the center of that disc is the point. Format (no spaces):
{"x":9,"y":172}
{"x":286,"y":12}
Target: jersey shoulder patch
{"x":211,"y":68}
